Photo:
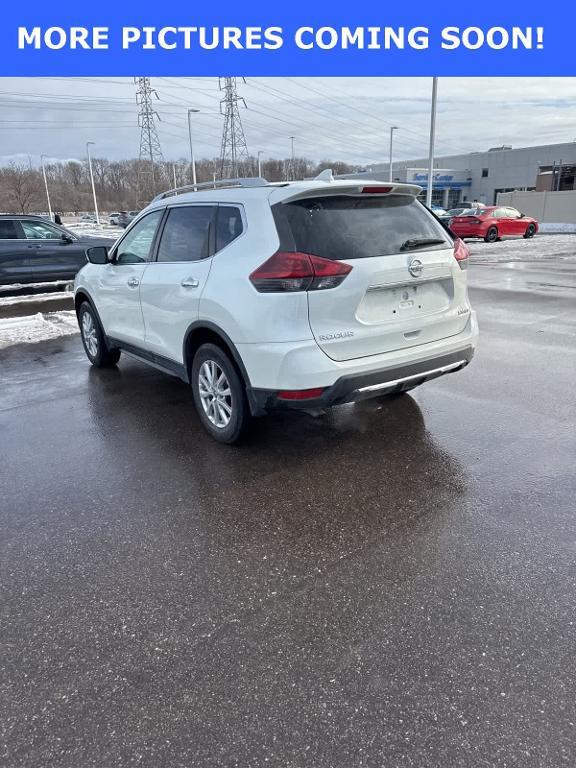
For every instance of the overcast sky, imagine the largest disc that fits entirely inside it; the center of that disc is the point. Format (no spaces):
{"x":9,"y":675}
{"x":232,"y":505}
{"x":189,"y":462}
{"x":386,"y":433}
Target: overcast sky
{"x":345,"y":119}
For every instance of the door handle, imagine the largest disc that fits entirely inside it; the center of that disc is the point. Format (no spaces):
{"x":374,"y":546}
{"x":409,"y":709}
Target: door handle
{"x":35,"y":247}
{"x":190,"y":282}
{"x":133,"y":282}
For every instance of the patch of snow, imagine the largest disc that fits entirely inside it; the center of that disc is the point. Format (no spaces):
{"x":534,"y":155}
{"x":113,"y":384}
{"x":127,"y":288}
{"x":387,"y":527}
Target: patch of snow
{"x":34,"y":328}
{"x":93,"y":230}
{"x":6,"y":301}
{"x":557,"y":229}
{"x":543,"y":247}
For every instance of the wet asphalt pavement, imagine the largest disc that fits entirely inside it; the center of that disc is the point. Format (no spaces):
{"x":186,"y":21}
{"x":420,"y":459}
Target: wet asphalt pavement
{"x":390,"y":584}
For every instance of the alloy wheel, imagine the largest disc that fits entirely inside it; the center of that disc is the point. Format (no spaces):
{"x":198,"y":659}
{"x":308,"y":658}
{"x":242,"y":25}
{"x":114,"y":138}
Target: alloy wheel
{"x":215,"y":394}
{"x":89,"y":334}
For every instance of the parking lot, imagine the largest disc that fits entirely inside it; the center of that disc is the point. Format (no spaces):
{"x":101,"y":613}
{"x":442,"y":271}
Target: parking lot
{"x":387,"y":584}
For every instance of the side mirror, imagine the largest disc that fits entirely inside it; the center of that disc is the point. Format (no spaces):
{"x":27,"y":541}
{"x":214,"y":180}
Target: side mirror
{"x":97,"y":255}
{"x":65,"y":237}
{"x":522,"y":215}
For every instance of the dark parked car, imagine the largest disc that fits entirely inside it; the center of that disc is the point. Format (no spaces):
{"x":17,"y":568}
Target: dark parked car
{"x":33,"y":250}
{"x":125,"y":217}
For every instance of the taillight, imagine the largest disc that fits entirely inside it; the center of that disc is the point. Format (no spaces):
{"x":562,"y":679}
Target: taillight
{"x":475,"y":221}
{"x":290,"y":272}
{"x":461,"y":253}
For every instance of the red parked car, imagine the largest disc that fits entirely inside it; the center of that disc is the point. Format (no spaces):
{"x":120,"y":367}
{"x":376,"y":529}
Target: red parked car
{"x":493,"y":223}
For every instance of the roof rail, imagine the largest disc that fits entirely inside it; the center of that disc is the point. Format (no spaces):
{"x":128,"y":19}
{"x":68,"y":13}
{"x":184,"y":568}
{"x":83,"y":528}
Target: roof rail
{"x":250,"y":181}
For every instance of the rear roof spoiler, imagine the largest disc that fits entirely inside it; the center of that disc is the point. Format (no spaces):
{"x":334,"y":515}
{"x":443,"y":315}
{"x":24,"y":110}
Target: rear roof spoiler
{"x":344,"y":187}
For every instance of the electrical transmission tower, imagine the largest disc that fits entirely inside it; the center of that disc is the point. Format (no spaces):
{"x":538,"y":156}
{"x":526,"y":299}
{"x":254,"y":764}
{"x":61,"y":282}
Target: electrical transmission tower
{"x":150,"y":149}
{"x":234,"y":151}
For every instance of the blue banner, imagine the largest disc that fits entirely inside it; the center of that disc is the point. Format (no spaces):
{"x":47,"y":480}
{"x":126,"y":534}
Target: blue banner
{"x":296,"y":38}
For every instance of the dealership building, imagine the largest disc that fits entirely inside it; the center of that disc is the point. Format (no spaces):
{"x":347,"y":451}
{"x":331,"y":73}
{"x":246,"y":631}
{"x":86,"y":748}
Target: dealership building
{"x":480,"y":176}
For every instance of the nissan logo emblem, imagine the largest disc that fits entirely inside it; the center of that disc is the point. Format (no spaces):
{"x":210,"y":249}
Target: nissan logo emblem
{"x":415,"y":267}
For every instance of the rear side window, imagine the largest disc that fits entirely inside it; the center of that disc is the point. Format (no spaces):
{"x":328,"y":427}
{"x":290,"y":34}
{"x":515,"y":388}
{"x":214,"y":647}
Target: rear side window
{"x":8,"y":230}
{"x":345,"y":227}
{"x":228,"y":225}
{"x":186,"y":235}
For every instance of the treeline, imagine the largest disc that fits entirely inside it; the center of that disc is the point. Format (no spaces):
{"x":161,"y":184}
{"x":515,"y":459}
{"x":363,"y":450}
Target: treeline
{"x":128,"y":184}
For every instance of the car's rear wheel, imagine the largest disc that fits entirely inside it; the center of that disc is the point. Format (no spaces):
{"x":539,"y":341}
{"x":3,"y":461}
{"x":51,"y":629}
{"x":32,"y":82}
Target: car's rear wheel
{"x":530,"y":231}
{"x":219,"y":394}
{"x":492,"y":235}
{"x":97,"y":351}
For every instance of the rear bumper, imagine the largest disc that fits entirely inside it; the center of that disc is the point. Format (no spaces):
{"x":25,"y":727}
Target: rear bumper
{"x":361,"y":386}
{"x":469,"y":232}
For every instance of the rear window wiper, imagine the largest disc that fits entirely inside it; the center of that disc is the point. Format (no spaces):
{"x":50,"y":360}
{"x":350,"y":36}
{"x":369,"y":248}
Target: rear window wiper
{"x":421,"y":242}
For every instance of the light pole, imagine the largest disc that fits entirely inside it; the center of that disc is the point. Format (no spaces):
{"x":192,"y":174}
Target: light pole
{"x":260,"y":152}
{"x":432,"y":139}
{"x":292,"y":169}
{"x":392,"y":129}
{"x":46,"y":186}
{"x":88,"y":143}
{"x":192,"y":160}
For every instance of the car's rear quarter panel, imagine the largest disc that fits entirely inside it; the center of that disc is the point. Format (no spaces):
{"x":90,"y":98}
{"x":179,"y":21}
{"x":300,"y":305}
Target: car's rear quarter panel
{"x":231,"y":302}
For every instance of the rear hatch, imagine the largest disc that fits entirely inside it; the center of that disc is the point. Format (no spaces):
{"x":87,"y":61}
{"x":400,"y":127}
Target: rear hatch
{"x":401,"y":290}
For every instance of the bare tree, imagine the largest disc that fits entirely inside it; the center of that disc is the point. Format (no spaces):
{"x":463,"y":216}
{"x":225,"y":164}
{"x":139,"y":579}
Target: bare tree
{"x":117,"y":183}
{"x":22,"y":188}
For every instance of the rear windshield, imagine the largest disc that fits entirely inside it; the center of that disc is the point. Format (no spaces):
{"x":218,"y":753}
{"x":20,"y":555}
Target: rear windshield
{"x":473,"y":212}
{"x":344,"y":227}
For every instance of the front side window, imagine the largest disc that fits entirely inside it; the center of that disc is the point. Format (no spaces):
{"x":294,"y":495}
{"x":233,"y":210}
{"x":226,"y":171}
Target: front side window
{"x":512,"y":213}
{"x":229,"y":225}
{"x":38,"y":230}
{"x":136,"y":247}
{"x":186,"y":235}
{"x":8,"y":230}
{"x":345,"y":227}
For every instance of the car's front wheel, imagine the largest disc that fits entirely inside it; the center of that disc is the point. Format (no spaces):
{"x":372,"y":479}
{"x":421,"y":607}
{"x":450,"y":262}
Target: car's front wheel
{"x":530,"y":231}
{"x":219,"y":394}
{"x":93,"y":339}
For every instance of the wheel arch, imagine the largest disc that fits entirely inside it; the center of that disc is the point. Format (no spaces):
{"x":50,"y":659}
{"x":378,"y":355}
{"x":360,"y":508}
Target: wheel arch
{"x":205,"y":332}
{"x":82,"y":296}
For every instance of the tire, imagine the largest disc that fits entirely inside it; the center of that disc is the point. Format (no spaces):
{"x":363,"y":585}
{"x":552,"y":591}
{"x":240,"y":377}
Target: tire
{"x":221,"y":402}
{"x":491,"y":236}
{"x":93,"y":339}
{"x":530,"y":231}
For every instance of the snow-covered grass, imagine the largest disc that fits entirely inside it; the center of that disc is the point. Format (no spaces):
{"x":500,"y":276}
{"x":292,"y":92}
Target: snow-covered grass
{"x":34,"y":328}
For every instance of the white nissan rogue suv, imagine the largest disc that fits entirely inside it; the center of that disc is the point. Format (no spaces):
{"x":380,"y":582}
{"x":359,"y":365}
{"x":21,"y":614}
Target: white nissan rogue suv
{"x":295,"y":295}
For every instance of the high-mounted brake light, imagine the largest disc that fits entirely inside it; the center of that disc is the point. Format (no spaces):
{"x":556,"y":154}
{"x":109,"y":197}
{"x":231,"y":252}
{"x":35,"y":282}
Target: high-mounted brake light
{"x":289,"y":272}
{"x":376,"y":190}
{"x":461,"y":253}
